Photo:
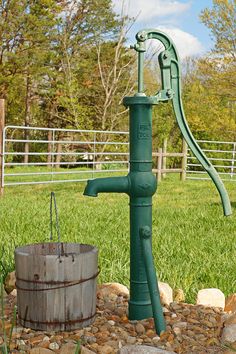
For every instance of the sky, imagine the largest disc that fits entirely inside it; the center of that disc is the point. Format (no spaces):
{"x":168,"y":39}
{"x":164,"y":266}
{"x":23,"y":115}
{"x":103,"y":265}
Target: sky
{"x":178,"y":18}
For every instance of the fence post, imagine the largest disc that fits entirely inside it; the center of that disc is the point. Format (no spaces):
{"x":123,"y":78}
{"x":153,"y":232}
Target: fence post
{"x":2,"y":125}
{"x":184,"y":160}
{"x":159,"y":164}
{"x":232,"y":162}
{"x":164,"y":157}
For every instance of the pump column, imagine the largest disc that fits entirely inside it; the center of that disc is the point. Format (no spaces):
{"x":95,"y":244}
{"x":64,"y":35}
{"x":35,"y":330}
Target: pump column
{"x":142,"y":187}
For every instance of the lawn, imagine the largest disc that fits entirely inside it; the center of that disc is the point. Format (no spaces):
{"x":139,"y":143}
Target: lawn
{"x":194,"y":245}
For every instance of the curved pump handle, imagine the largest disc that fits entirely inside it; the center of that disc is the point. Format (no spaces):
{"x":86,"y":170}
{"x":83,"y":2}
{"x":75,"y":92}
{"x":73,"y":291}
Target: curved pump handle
{"x":171,"y":89}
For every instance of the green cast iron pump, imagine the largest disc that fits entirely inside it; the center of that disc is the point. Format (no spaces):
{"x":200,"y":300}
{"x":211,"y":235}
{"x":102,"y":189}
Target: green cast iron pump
{"x":140,"y":184}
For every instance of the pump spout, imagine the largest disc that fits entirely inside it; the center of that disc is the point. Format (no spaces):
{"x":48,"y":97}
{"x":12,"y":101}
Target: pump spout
{"x":107,"y":185}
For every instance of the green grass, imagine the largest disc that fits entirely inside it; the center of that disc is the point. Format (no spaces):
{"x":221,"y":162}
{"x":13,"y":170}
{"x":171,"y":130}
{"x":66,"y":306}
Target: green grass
{"x":194,"y":245}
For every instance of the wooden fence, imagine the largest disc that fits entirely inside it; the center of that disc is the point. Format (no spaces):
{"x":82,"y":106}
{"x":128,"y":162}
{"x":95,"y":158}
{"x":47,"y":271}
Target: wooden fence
{"x":161,"y":161}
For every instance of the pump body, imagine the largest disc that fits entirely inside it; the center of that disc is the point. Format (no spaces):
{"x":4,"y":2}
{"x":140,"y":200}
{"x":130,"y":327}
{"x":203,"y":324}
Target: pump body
{"x":140,"y":184}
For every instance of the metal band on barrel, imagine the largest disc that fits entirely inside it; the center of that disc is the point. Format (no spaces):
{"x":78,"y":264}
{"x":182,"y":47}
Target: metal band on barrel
{"x":64,"y":284}
{"x":59,"y":322}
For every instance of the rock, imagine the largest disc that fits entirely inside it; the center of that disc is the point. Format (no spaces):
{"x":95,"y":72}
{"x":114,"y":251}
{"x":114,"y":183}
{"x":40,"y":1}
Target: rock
{"x":156,"y":340}
{"x":85,"y":350}
{"x":54,"y":346}
{"x":229,"y":333}
{"x":106,"y":289}
{"x":21,"y":345}
{"x":106,"y":349}
{"x":179,"y":295}
{"x":166,"y":293}
{"x":233,"y":346}
{"x":211,"y":297}
{"x":68,"y":348}
{"x":142,"y":349}
{"x":230,"y":319}
{"x":36,"y":339}
{"x":180,"y":324}
{"x":13,"y":293}
{"x":131,"y":340}
{"x":10,"y":282}
{"x":46,"y":338}
{"x":228,"y":351}
{"x":140,"y":329}
{"x":40,"y":351}
{"x":230,"y":303}
{"x":44,"y":344}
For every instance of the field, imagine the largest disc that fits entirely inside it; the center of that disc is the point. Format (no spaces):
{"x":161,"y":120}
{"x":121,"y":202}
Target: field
{"x":194,"y":245}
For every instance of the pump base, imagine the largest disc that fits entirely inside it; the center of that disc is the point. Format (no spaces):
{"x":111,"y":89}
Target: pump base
{"x":140,"y":310}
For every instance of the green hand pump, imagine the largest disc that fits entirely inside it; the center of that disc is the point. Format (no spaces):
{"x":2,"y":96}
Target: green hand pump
{"x":140,"y":184}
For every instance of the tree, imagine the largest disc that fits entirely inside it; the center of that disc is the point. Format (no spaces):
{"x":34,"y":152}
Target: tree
{"x":221,"y":20}
{"x":220,"y":66}
{"x":26,"y":29}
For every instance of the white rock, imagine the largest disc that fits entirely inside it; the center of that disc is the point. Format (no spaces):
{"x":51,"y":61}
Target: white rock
{"x":142,"y":349}
{"x":20,"y":342}
{"x":46,"y":339}
{"x":13,"y":293}
{"x":229,"y":333}
{"x":211,"y":297}
{"x":166,"y":293}
{"x":54,"y":346}
{"x":156,"y":340}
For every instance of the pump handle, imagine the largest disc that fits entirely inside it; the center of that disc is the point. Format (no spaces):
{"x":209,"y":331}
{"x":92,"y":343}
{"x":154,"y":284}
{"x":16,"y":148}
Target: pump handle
{"x":171,"y":90}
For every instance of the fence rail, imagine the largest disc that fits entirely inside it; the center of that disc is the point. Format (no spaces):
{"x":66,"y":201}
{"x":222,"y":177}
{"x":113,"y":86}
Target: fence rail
{"x":68,"y":155}
{"x":80,"y":154}
{"x":222,"y":155}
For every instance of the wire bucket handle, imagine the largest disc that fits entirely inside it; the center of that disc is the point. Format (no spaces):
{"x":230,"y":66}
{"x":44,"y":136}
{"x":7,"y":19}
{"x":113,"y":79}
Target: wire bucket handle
{"x":53,"y":202}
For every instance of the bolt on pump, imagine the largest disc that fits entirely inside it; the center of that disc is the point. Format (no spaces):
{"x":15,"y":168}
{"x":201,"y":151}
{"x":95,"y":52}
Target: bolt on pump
{"x":140,"y":184}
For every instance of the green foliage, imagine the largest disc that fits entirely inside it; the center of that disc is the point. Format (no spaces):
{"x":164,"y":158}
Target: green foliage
{"x":66,"y":64}
{"x":208,"y":113}
{"x":221,"y":20}
{"x":193,"y":243}
{"x":51,"y":70}
{"x":220,"y":67}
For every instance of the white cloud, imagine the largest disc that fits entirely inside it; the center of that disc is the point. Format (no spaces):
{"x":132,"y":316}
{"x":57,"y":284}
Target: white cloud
{"x":149,"y":9}
{"x":186,"y":43}
{"x":166,"y":13}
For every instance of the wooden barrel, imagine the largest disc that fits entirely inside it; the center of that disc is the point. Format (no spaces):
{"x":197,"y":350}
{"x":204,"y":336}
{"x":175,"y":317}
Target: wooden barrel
{"x":56,"y":285}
